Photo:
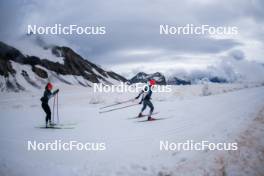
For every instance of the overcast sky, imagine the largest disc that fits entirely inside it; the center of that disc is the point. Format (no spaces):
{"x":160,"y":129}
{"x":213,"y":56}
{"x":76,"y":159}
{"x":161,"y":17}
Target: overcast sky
{"x":132,"y":42}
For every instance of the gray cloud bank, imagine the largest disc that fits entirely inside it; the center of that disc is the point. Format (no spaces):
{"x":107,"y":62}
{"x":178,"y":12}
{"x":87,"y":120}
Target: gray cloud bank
{"x":132,"y":41}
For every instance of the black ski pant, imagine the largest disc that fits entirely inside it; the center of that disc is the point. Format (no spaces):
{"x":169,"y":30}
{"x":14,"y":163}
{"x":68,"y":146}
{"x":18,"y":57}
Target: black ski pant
{"x":46,"y":108}
{"x":149,"y":104}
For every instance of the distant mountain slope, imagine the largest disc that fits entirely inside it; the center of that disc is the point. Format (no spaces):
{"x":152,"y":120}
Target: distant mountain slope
{"x":142,"y":77}
{"x":187,"y":81}
{"x":22,"y":72}
{"x":178,"y":81}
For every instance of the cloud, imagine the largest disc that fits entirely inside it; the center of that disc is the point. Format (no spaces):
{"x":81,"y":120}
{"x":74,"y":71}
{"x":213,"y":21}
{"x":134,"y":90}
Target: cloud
{"x":237,"y":54}
{"x":132,"y":39}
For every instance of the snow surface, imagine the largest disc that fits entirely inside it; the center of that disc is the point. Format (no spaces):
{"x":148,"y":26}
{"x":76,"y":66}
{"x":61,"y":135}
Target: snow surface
{"x":132,"y":148}
{"x":32,"y":82}
{"x":31,"y":48}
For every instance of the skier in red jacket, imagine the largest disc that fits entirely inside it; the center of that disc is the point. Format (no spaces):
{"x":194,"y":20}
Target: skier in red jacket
{"x":146,"y":97}
{"x":45,"y":102}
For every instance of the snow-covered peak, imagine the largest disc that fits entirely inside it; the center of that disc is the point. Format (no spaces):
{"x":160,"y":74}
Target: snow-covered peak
{"x":21,"y":71}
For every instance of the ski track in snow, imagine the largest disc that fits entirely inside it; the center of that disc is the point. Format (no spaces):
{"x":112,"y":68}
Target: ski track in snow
{"x":132,"y":148}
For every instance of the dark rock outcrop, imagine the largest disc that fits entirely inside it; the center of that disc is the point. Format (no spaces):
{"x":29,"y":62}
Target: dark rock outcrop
{"x":40,"y":72}
{"x":178,"y":81}
{"x":217,"y":80}
{"x":142,"y":77}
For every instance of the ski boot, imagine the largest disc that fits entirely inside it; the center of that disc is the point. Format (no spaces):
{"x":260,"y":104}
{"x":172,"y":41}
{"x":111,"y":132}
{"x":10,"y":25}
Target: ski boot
{"x":140,"y":115}
{"x":150,"y":118}
{"x":51,"y":124}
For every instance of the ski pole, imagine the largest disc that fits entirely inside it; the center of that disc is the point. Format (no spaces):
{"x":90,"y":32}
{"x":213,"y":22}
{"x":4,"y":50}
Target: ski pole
{"x":117,"y":103}
{"x":53,"y":110}
{"x":58,"y":118}
{"x":118,"y":108}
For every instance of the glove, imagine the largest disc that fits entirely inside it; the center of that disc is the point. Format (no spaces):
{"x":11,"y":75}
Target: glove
{"x":56,"y":91}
